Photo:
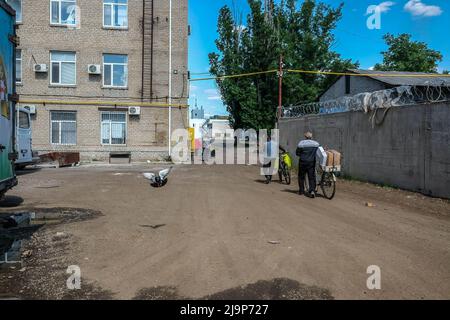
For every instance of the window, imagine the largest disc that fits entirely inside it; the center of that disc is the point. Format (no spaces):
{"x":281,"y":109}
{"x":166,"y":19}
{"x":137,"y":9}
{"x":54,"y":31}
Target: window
{"x":115,"y":13}
{"x":63,"y":68}
{"x":24,"y":120}
{"x":115,"y":70}
{"x":63,"y":127}
{"x":19,"y":66}
{"x":114,"y":127}
{"x":16,"y":5}
{"x":63,"y":12}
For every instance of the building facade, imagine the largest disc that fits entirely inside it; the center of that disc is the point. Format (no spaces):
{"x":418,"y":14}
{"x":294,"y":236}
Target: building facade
{"x":373,"y":80}
{"x":97,"y":74}
{"x":196,"y":122}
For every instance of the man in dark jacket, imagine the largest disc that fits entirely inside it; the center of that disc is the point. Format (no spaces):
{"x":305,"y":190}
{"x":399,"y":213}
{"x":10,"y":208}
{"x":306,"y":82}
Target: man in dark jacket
{"x":307,"y":150}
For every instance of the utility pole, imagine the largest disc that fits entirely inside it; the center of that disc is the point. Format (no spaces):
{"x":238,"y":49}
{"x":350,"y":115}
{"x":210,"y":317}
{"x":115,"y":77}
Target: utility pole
{"x":280,"y":89}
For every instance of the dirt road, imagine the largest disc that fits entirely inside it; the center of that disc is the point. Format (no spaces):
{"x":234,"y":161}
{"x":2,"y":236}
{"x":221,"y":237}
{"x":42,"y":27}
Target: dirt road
{"x":218,"y":232}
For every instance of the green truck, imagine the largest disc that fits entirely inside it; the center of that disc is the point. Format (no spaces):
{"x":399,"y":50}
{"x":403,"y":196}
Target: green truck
{"x":8,"y":97}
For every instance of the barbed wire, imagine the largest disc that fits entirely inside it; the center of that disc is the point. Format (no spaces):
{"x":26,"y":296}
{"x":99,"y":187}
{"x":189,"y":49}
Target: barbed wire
{"x":369,"y":101}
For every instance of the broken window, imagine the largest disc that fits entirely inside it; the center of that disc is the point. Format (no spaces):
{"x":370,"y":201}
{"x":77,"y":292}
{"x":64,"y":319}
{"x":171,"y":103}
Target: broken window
{"x":63,"y":12}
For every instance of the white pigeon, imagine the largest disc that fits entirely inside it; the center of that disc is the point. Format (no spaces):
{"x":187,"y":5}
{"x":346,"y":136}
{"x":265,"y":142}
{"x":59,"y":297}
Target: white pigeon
{"x":158,"y":180}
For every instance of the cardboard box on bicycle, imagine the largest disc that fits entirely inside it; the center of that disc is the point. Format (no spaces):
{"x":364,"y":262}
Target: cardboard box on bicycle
{"x":333,"y":158}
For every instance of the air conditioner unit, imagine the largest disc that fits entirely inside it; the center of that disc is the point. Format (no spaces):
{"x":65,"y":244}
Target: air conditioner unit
{"x":40,"y":68}
{"x":31,"y":108}
{"x":134,"y":111}
{"x":94,"y":69}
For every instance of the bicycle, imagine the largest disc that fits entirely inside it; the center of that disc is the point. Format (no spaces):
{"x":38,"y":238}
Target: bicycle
{"x":326,"y":181}
{"x":284,"y":170}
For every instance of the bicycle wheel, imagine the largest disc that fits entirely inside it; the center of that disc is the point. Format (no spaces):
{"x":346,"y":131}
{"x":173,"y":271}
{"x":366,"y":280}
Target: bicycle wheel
{"x":328,"y":185}
{"x":280,"y":172}
{"x":287,"y":175}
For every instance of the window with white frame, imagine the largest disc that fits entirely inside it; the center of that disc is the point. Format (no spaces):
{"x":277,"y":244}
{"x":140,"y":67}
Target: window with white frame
{"x":17,"y":6}
{"x":19,"y":66}
{"x":115,"y":70}
{"x":115,"y":13}
{"x":63,"y":12}
{"x":114,"y":127}
{"x":24,"y":120}
{"x":63,"y":68}
{"x":63,"y":127}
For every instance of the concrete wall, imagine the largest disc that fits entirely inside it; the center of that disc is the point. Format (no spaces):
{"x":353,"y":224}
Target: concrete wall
{"x":357,"y":85}
{"x":410,"y":150}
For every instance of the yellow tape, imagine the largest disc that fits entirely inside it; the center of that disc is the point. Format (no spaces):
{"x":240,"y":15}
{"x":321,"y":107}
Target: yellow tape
{"x":103,"y":103}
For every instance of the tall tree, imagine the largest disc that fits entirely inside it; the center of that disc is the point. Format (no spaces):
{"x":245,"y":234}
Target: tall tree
{"x":302,"y":35}
{"x":407,"y":55}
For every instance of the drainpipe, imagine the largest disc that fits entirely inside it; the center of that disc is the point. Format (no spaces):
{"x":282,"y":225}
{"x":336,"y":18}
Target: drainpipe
{"x":151,"y":49}
{"x":14,"y":88}
{"x":143,"y":48}
{"x":170,"y":77}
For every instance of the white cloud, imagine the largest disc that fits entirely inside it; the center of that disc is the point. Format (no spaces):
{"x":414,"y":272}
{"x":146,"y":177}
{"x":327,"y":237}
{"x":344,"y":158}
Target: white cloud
{"x":418,"y":8}
{"x":372,"y":68}
{"x":193,"y":88}
{"x":213,"y":94}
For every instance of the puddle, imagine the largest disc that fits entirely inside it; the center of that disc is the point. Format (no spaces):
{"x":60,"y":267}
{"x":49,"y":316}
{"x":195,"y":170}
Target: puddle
{"x":275,"y":289}
{"x":14,"y":228}
{"x":52,"y":216}
{"x":17,"y":227}
{"x":12,"y":254}
{"x":10,"y":202}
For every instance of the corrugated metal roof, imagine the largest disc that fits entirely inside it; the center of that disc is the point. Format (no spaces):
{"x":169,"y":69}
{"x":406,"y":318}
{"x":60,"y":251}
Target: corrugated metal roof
{"x":396,"y":78}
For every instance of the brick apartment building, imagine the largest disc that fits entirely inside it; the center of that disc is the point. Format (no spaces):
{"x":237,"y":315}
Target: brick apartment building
{"x":125,"y":44}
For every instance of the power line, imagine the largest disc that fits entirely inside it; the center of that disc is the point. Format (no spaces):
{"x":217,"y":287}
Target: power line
{"x":299,"y":71}
{"x":386,"y":75}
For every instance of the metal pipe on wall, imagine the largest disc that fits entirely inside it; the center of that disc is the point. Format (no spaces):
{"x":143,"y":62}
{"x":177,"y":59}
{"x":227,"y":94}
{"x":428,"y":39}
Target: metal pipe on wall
{"x":170,"y":77}
{"x":143,"y":49}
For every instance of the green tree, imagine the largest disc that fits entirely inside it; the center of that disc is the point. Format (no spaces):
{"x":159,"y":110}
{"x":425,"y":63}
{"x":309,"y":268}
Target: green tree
{"x":446,"y":72}
{"x":407,"y":55}
{"x":303,"y":36}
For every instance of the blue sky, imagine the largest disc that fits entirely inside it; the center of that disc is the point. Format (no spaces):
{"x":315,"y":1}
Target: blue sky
{"x":425,"y":20}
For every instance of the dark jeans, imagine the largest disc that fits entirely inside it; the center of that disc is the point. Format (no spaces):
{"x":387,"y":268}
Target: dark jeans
{"x":268,"y":166}
{"x":308,"y":168}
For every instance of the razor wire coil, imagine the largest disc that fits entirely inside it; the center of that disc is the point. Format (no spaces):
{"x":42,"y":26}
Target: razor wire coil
{"x":370,"y":101}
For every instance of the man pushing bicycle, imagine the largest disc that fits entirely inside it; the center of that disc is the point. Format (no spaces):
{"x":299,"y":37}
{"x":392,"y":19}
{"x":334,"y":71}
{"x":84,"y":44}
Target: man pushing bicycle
{"x":306,"y":151}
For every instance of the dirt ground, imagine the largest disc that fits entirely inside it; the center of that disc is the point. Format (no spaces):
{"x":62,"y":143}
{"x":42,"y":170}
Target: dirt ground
{"x":218,"y":232}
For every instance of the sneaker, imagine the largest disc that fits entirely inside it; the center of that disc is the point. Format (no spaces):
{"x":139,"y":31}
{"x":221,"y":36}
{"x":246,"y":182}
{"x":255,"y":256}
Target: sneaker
{"x":310,"y":195}
{"x":301,"y":193}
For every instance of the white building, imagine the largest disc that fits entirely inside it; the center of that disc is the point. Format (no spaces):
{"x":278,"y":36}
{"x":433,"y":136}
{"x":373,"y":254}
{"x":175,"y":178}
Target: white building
{"x":216,"y":128}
